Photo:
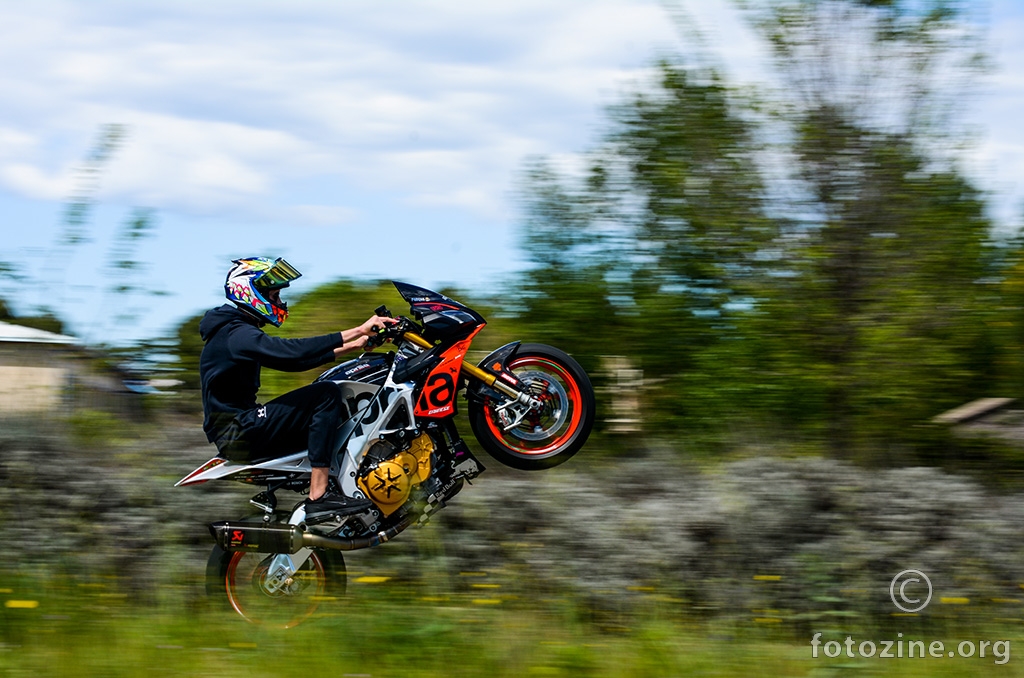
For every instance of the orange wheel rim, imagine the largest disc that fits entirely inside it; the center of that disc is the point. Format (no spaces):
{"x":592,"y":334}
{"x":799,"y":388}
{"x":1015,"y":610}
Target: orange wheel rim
{"x":573,"y":398}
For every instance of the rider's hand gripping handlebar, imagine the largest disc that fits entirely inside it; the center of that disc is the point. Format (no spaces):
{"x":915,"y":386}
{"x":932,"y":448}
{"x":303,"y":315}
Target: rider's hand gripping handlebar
{"x":389,"y":332}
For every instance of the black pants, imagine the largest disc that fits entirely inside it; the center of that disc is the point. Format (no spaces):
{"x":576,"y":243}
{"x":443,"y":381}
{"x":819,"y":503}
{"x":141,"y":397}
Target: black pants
{"x":304,"y":419}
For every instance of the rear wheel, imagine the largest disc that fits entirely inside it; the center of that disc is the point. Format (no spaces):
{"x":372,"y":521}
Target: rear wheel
{"x":245,"y":582}
{"x":546,"y":437}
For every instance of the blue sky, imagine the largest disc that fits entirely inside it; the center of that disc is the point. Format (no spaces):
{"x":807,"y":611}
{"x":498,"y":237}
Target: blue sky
{"x":377,"y":140}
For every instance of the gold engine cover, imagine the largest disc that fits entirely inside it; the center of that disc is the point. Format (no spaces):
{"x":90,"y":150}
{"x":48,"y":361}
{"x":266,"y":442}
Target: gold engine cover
{"x":388,"y":485}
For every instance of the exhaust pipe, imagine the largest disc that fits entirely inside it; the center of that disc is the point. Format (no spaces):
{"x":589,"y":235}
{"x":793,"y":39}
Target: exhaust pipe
{"x":260,"y":538}
{"x":257,"y":537}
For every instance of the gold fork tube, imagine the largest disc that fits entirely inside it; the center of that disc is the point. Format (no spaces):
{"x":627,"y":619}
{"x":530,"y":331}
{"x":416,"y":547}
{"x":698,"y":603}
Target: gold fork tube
{"x":418,"y":340}
{"x":490,"y":380}
{"x":470,"y":370}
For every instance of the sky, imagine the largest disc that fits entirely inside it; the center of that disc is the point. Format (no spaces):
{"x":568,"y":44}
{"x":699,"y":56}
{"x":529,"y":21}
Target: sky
{"x":356,"y":139}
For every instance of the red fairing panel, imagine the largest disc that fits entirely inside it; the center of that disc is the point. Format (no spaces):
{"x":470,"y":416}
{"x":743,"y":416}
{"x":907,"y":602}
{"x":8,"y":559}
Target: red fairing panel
{"x":438,"y":397}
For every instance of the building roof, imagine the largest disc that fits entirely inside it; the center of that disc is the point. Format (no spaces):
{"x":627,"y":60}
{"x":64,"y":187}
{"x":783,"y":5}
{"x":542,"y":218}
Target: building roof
{"x":973,"y":410}
{"x":30,"y":335}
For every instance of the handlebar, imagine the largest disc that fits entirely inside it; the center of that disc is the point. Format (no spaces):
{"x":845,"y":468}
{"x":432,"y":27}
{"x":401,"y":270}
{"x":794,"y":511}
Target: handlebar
{"x":394,"y":331}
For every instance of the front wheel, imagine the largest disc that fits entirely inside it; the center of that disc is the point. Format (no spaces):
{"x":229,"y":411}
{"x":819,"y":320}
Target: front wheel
{"x":244,"y":582}
{"x":541,"y":438}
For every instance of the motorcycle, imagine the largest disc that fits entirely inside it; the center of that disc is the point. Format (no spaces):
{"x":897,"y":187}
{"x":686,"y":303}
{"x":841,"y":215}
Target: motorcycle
{"x":530,"y":407}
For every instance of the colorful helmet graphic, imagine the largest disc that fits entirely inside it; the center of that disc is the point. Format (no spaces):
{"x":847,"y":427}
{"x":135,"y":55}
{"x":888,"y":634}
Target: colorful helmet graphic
{"x":254,"y":284}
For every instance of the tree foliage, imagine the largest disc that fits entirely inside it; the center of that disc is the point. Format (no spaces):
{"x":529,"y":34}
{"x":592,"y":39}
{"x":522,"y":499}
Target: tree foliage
{"x":827,"y":270}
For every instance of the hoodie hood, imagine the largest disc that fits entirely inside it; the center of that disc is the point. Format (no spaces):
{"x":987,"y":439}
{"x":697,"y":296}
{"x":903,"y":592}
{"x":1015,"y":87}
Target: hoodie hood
{"x":221,"y":316}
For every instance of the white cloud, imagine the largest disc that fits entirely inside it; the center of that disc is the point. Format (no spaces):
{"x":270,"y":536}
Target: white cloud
{"x":34,"y":182}
{"x":227,"y":101}
{"x":197,"y":165}
{"x":15,"y":141}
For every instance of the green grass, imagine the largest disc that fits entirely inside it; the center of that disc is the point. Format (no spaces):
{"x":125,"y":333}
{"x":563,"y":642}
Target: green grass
{"x":65,"y":626}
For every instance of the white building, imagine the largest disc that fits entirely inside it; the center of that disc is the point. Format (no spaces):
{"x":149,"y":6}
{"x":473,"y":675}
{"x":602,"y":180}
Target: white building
{"x":36,"y":368}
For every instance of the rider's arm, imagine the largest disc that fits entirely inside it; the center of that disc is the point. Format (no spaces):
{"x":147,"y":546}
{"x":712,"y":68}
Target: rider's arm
{"x":356,"y":337}
{"x":298,"y":355}
{"x":287,"y":355}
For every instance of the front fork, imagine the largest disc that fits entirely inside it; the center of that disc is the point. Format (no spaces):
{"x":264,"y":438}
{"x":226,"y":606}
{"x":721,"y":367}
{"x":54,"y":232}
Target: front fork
{"x":519,"y":403}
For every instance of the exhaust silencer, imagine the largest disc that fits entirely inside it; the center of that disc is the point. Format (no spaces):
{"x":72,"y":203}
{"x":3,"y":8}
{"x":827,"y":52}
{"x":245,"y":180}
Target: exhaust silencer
{"x":261,"y":538}
{"x":257,"y":537}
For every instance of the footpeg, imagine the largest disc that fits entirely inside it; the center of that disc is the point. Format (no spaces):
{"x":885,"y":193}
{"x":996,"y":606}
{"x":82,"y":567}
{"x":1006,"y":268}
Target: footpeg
{"x":264,"y":501}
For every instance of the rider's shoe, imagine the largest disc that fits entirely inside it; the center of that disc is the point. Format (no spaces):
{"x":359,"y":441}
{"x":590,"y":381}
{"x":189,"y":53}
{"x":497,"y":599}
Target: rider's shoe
{"x":335,"y":503}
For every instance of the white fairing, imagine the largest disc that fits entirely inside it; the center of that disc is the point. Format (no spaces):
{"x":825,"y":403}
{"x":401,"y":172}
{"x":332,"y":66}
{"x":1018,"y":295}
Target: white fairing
{"x":369,"y":407}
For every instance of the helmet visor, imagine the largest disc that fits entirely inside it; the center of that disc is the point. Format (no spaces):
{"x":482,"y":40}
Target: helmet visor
{"x":277,"y":276}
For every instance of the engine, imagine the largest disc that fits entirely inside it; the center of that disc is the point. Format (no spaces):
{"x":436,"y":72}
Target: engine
{"x":390,"y":473}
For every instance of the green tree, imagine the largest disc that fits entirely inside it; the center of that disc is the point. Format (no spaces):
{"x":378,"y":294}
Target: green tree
{"x":824,"y":265}
{"x":564,"y":298}
{"x":886,"y":255}
{"x":652,"y":255}
{"x":1007,"y":319}
{"x":693,"y":194}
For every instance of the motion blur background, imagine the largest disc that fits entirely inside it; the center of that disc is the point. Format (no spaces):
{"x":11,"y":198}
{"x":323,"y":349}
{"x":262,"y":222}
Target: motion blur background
{"x":782,"y":236}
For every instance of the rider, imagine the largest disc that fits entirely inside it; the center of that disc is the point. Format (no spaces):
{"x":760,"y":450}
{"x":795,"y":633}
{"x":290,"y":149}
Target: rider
{"x":229,"y":368}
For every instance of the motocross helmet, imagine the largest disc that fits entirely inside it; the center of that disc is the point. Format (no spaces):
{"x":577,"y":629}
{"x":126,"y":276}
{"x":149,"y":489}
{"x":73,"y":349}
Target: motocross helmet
{"x":254,"y":284}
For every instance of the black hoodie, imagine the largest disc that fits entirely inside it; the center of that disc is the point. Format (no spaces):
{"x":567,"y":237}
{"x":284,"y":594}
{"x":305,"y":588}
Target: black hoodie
{"x":236,"y":348}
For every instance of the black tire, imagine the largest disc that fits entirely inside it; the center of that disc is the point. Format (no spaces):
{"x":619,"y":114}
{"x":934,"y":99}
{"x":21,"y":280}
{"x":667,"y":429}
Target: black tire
{"x":233,"y":581}
{"x":559,"y":431}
